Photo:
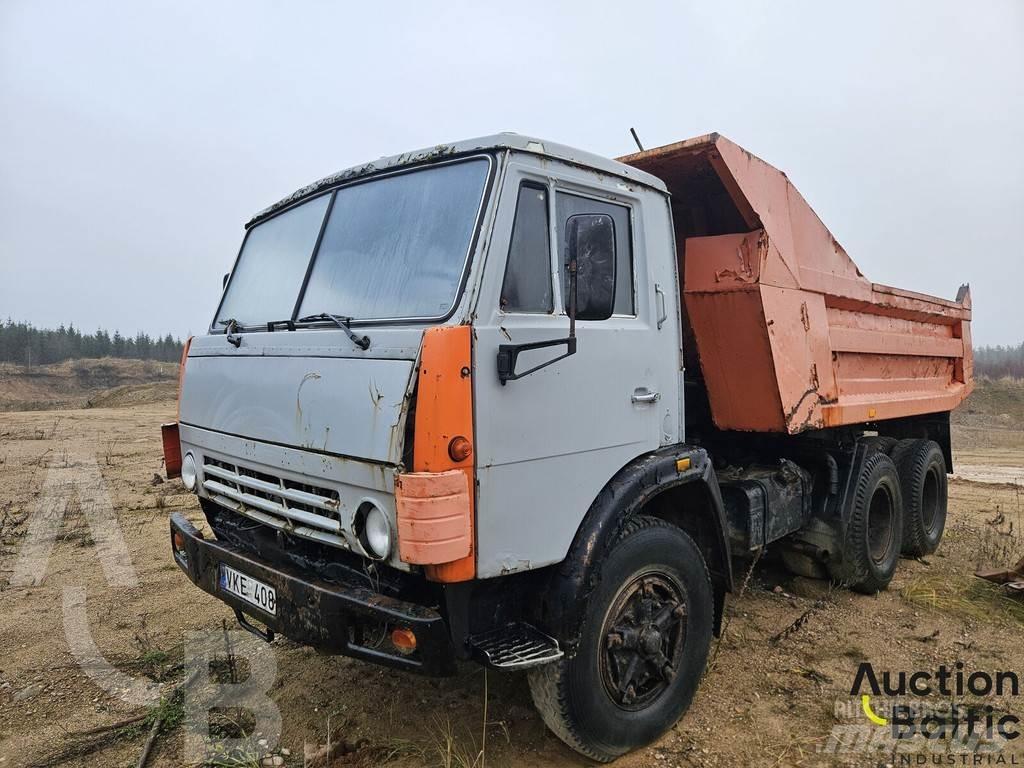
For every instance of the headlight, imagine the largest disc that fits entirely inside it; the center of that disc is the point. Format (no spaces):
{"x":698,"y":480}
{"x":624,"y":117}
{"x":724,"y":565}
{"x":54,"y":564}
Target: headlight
{"x":376,"y":534}
{"x":189,"y":472}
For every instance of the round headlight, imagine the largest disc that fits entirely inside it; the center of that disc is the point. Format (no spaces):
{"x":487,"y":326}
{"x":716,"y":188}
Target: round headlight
{"x":189,"y":472}
{"x":376,"y":538}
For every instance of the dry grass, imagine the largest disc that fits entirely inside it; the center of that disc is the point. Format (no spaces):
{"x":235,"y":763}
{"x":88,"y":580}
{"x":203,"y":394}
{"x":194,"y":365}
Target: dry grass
{"x":453,"y":752}
{"x":450,"y":750}
{"x":969,"y":597}
{"x":994,"y":540}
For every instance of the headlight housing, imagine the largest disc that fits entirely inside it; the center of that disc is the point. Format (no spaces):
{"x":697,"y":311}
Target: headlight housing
{"x":374,"y":533}
{"x":189,"y":472}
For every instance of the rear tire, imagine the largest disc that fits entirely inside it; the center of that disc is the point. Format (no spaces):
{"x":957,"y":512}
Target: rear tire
{"x":642,"y":648}
{"x":922,"y":470}
{"x":874,"y":532}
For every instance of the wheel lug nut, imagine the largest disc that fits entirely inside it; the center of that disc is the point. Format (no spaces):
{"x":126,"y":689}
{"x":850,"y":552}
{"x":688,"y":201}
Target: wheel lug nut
{"x":630,"y":695}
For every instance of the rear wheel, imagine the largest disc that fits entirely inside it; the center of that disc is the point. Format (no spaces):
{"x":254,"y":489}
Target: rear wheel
{"x":643,"y":646}
{"x":922,"y":470}
{"x":874,"y":532}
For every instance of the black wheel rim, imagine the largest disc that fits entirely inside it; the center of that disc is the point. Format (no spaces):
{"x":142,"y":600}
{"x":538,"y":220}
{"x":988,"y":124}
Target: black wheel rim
{"x":880,"y":525}
{"x":643,"y":638}
{"x":930,"y":499}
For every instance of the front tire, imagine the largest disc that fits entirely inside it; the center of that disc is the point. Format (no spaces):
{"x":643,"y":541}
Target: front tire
{"x":643,"y":646}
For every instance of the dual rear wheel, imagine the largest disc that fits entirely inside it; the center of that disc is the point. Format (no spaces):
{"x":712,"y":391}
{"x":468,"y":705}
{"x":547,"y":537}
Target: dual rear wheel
{"x":922,"y":470}
{"x":898,"y":506}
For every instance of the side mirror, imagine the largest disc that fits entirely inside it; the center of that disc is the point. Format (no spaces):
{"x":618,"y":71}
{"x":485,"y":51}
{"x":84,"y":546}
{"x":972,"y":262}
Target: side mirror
{"x":590,"y":248}
{"x":224,"y":281}
{"x":590,"y":289}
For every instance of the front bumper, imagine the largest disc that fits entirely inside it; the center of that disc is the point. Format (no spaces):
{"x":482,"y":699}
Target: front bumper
{"x":342,"y":619}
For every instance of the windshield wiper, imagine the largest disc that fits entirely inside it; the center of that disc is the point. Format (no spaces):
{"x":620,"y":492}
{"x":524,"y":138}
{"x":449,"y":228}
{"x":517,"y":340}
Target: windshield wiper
{"x":363,"y":342}
{"x":231,"y":331}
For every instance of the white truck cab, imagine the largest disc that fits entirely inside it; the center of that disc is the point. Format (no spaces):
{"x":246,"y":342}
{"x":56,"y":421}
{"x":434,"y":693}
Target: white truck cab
{"x":403,"y":245}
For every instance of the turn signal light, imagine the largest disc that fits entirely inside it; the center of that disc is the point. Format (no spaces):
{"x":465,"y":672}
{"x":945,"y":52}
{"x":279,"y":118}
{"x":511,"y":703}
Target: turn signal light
{"x":178,"y":545}
{"x":404,"y":640}
{"x":460,"y":449}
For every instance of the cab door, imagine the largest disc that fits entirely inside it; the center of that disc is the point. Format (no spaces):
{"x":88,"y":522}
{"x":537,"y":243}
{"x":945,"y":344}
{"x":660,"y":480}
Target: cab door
{"x":548,"y":442}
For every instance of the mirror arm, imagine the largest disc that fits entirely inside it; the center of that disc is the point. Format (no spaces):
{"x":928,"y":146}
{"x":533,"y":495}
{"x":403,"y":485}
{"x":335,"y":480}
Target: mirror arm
{"x":508,"y":354}
{"x":572,"y":298}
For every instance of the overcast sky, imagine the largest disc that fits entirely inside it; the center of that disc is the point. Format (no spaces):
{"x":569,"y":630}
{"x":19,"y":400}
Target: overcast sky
{"x":136,"y":138}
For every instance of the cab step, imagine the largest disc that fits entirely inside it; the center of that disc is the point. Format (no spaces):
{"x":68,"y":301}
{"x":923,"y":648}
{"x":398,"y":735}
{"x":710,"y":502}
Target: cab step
{"x":515,"y":646}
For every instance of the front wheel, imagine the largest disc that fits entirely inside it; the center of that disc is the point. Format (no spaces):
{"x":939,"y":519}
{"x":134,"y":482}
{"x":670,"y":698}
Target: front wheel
{"x":643,"y":646}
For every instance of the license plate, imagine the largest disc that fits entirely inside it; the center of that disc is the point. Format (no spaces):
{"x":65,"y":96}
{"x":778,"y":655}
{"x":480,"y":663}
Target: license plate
{"x":253,"y":591}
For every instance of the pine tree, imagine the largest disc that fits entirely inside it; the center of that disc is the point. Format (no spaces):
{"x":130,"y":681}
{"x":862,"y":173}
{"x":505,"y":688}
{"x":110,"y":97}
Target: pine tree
{"x":23,"y":344}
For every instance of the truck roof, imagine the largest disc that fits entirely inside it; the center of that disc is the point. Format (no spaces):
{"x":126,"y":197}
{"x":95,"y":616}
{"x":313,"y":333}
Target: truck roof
{"x":499,"y":141}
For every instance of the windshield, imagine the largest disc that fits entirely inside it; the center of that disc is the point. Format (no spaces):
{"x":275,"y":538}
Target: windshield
{"x":268,"y":276}
{"x":395,"y":247}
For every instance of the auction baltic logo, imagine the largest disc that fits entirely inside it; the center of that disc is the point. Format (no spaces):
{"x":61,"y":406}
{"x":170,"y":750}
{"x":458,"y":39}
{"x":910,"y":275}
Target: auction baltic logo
{"x":969,"y":725}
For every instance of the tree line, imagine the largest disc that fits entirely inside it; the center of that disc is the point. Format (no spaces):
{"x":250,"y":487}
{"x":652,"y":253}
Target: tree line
{"x":24,"y":344}
{"x":997,"y":362}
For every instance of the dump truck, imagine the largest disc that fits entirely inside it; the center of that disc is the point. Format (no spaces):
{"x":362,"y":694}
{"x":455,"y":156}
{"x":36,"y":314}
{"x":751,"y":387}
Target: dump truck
{"x":509,"y":402}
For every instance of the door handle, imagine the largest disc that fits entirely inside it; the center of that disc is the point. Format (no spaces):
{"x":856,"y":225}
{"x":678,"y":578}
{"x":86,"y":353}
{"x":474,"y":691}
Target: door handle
{"x":644,"y":395}
{"x":659,"y":302}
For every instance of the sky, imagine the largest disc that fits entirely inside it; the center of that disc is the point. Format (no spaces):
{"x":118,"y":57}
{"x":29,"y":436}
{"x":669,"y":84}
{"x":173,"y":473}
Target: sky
{"x":137,"y":138}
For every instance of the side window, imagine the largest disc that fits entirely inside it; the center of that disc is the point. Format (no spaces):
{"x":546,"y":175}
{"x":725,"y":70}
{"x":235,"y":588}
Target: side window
{"x":567,"y":205}
{"x":527,"y":284}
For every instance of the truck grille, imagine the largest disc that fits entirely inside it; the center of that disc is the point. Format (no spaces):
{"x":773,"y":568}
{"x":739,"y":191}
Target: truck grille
{"x":299,"y":508}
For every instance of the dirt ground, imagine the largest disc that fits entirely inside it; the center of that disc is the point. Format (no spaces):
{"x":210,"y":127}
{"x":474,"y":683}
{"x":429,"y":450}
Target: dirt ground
{"x":88,"y":383}
{"x":778,"y":682}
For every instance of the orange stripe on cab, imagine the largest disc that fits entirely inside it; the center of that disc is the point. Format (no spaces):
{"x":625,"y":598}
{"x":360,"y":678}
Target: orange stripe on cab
{"x":435,"y":505}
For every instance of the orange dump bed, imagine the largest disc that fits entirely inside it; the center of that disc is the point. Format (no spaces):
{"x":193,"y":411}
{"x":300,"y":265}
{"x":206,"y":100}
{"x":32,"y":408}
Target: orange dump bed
{"x":790,"y":335}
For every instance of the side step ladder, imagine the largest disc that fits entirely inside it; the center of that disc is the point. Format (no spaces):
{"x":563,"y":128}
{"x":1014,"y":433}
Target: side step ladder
{"x":515,"y":646}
